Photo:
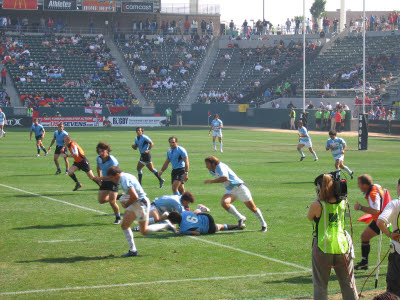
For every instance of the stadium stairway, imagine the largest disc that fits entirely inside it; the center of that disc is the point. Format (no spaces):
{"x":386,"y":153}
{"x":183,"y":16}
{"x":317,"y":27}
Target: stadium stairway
{"x":10,"y":89}
{"x":202,"y":74}
{"x":123,"y":67}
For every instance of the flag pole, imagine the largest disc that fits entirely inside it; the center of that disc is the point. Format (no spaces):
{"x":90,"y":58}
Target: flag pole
{"x":379,"y":258}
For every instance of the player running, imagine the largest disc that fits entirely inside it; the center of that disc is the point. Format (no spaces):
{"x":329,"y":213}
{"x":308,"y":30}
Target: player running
{"x":81,"y":162}
{"x":191,"y":223}
{"x":3,"y":121}
{"x":136,"y":206}
{"x":59,"y":135}
{"x":338,"y":147}
{"x":304,"y":140}
{"x":216,"y":128}
{"x":39,"y":131}
{"x":144,"y":144}
{"x":235,"y":188}
{"x":108,"y":190}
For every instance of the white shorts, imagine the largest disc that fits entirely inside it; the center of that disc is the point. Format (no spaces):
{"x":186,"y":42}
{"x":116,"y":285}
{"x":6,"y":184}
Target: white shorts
{"x":1,"y":123}
{"x":306,"y":144}
{"x":218,"y":134}
{"x":241,"y":192}
{"x":141,"y":208}
{"x":339,"y":157}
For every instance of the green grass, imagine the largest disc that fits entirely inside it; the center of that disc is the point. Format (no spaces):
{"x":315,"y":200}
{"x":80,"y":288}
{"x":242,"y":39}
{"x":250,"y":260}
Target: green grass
{"x":193,"y":269}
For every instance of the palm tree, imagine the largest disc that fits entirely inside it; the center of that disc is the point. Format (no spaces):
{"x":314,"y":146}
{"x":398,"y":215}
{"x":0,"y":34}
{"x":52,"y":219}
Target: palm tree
{"x":317,"y":10}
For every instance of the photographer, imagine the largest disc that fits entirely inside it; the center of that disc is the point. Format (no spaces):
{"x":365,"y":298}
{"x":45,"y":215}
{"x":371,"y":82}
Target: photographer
{"x":332,"y":245}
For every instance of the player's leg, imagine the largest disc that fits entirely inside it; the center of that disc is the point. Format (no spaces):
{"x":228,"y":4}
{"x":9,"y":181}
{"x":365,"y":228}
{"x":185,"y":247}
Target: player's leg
{"x":346,"y":168}
{"x":371,"y":231}
{"x":221,"y":227}
{"x":150,"y":166}
{"x":139,"y":168}
{"x":38,"y":147}
{"x":42,"y":147}
{"x":214,"y":144}
{"x":110,"y":197}
{"x":71,"y":174}
{"x":220,"y":143}
{"x":226,"y":203}
{"x":57,"y":164}
{"x":313,"y":153}
{"x":2,"y":133}
{"x":243,"y":193}
{"x":129,"y":217}
{"x":66,"y":165}
{"x":299,"y":149}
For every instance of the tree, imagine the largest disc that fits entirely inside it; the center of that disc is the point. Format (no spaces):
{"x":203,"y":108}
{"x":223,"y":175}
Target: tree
{"x":317,"y":9}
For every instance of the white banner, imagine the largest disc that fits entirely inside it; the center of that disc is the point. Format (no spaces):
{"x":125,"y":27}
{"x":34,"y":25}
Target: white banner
{"x":93,"y":110}
{"x":134,"y":121}
{"x":71,"y":121}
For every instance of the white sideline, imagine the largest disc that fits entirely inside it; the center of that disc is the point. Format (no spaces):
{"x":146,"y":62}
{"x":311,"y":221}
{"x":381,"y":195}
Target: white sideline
{"x":60,"y":241}
{"x":53,"y":199}
{"x":149,"y":283}
{"x":254,"y":254}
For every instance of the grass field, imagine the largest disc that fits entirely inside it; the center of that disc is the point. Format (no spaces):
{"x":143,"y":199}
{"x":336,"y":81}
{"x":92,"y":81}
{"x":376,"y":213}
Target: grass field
{"x":59,"y":244}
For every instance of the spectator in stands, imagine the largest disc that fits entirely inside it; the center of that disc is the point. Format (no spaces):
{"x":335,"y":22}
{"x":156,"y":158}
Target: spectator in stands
{"x":3,"y":76}
{"x":288,"y":24}
{"x":231,"y":27}
{"x":310,"y":105}
{"x":244,"y":25}
{"x":297,"y":28}
{"x":267,"y":94}
{"x":335,"y":25}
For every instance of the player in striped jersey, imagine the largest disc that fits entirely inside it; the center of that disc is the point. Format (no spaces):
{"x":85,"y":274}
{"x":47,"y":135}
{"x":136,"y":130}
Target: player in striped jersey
{"x":3,"y":121}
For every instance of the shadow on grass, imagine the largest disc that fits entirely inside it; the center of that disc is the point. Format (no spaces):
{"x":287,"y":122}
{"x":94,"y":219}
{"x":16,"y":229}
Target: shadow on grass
{"x":56,"y":226}
{"x":68,"y":260}
{"x":299,"y":182}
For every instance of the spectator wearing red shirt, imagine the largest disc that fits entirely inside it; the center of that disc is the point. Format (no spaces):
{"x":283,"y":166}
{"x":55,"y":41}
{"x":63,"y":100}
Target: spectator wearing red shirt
{"x":338,"y":119}
{"x":3,"y":76}
{"x":187,"y":26}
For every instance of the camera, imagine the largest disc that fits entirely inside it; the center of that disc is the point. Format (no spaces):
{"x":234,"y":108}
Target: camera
{"x":339,"y":184}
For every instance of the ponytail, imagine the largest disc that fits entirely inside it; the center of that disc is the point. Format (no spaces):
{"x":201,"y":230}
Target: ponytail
{"x":327,"y":191}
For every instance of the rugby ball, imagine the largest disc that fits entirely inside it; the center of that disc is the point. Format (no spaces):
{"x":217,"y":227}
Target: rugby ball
{"x":124,"y":197}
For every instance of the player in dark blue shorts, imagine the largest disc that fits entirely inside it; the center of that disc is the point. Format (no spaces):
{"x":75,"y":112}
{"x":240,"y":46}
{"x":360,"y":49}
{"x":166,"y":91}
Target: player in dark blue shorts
{"x":58,"y":138}
{"x":39,"y":135}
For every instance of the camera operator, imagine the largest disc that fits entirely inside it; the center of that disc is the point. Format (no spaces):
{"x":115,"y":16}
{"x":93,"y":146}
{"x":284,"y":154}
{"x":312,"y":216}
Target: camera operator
{"x":332,"y":246}
{"x":391,"y":215}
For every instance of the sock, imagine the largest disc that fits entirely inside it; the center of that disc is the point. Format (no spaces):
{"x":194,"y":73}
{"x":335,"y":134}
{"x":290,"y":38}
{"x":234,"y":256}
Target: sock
{"x":140,"y":175}
{"x":66,"y":170}
{"x":260,"y":217}
{"x":118,"y":216}
{"x":44,"y":149}
{"x":232,"y":210}
{"x":215,"y":147}
{"x":346,"y":168}
{"x":74,"y":178}
{"x":151,"y":221}
{"x":157,"y":227}
{"x":220,"y":146}
{"x":301,"y":153}
{"x":155,"y":172}
{"x":38,"y":150}
{"x":315,"y":155}
{"x":230,"y":227}
{"x":365,"y":248}
{"x":58,"y":169}
{"x":177,"y":193}
{"x":129,"y":238}
{"x":2,"y":133}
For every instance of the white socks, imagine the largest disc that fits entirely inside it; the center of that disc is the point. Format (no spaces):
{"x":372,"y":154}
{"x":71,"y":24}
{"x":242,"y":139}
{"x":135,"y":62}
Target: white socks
{"x":301,"y":153}
{"x":346,"y":168}
{"x":232,"y":210}
{"x":129,"y":238}
{"x":215,"y":146}
{"x":315,"y":155}
{"x":157,"y":227}
{"x":260,"y":217}
{"x":220,"y":146}
{"x":151,"y":221}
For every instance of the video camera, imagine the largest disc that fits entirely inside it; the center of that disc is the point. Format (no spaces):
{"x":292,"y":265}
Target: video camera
{"x":339,"y":184}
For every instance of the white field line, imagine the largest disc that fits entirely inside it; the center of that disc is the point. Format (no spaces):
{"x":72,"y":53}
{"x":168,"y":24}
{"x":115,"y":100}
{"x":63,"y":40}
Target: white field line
{"x":53,"y":199}
{"x":252,"y":253}
{"x":150,"y":283}
{"x":60,"y":241}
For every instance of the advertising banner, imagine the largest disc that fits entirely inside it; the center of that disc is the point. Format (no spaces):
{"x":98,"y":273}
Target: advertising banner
{"x":93,"y":110}
{"x":134,"y":121}
{"x":99,"y":6}
{"x":137,"y":7}
{"x":19,"y":122}
{"x":20,"y":4}
{"x":71,"y":121}
{"x":59,"y":5}
{"x":362,"y":132}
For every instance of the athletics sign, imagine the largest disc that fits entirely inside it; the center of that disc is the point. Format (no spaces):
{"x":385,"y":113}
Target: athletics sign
{"x":71,"y":121}
{"x":137,"y":7}
{"x":134,"y":121}
{"x":59,"y":5}
{"x":20,"y":4}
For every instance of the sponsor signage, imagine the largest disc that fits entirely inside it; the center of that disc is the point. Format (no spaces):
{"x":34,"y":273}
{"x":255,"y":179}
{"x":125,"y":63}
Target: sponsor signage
{"x":59,"y":5}
{"x":362,"y":132}
{"x":137,"y":7}
{"x":20,"y":4}
{"x":99,"y":6}
{"x":71,"y":121}
{"x":135,"y":121}
{"x":19,"y":122}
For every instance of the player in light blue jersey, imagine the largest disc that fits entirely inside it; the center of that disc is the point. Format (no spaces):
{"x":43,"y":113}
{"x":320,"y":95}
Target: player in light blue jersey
{"x":305,"y":140}
{"x":136,"y":205}
{"x":179,"y":160}
{"x":108,"y":191}
{"x":3,"y":121}
{"x":144,"y":144}
{"x":235,"y":188}
{"x":58,"y":138}
{"x":216,"y":128}
{"x":39,"y":135}
{"x":192,"y":223}
{"x":338,"y":147}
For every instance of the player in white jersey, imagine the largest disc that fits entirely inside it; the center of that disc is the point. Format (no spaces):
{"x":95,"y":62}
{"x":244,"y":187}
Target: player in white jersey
{"x":338,"y":147}
{"x":305,"y":140}
{"x":3,"y":121}
{"x":136,"y":205}
{"x":235,"y":188}
{"x":216,"y":128}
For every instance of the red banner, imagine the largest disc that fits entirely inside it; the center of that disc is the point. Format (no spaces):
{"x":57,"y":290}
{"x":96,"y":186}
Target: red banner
{"x":71,"y":121}
{"x":116,"y":109}
{"x":20,"y":4}
{"x":99,"y":6}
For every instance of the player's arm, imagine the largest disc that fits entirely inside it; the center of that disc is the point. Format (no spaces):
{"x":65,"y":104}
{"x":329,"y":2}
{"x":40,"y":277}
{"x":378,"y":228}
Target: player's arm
{"x":151,"y":145}
{"x":186,"y":160}
{"x":52,"y":142}
{"x":211,"y":128}
{"x":44,"y":132}
{"x":133,"y":196}
{"x":164,"y":167}
{"x":134,"y":146}
{"x":366,"y":209}
{"x":218,"y":180}
{"x":99,"y":173}
{"x":344,"y":148}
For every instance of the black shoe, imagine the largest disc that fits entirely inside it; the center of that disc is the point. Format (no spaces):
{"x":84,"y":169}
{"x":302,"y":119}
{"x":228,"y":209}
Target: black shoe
{"x":303,"y":157}
{"x":130,"y":253}
{"x":135,"y":229}
{"x":264,"y":228}
{"x":77,"y":186}
{"x":161,"y":183}
{"x":58,"y":172}
{"x":117,"y":220}
{"x":352,"y":175}
{"x":362,"y":265}
{"x":241,"y":222}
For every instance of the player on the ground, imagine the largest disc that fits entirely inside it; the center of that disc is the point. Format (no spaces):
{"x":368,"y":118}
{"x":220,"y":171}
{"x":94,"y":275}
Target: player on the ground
{"x":235,"y":188}
{"x":108,"y":190}
{"x":216,"y":128}
{"x":304,"y":140}
{"x":179,"y":159}
{"x":144,"y":144}
{"x":3,"y":122}
{"x":197,"y":223}
{"x":59,"y":135}
{"x":338,"y":147}
{"x":81,"y":162}
{"x":136,"y":205}
{"x":39,"y":135}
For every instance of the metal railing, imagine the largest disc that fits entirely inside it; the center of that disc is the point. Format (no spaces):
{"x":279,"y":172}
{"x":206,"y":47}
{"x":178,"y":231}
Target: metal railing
{"x":185,"y":8}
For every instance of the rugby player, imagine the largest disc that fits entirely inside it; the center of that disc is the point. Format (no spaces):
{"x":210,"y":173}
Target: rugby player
{"x":304,"y":140}
{"x":3,"y":121}
{"x":59,"y":135}
{"x":216,"y":128}
{"x":338,"y":147}
{"x":39,"y":135}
